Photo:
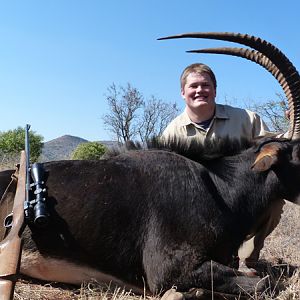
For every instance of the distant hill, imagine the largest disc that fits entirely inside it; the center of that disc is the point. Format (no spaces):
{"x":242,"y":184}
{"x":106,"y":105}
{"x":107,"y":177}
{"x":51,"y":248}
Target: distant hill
{"x":62,"y":147}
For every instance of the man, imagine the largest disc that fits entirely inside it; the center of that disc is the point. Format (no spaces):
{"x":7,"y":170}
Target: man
{"x":204,"y":119}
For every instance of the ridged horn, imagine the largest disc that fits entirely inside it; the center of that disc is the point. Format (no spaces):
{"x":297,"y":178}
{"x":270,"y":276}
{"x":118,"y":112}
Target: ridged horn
{"x":260,"y":59}
{"x":268,"y":56}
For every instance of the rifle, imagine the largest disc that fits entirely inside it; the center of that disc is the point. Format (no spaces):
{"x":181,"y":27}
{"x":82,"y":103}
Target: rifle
{"x":11,"y":246}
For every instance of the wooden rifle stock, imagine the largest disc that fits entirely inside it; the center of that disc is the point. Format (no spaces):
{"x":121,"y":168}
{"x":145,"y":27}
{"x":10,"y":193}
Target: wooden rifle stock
{"x":11,"y":246}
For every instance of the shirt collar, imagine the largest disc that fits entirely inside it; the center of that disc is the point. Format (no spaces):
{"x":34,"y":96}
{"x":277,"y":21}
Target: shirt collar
{"x":219,"y":114}
{"x":185,"y":120}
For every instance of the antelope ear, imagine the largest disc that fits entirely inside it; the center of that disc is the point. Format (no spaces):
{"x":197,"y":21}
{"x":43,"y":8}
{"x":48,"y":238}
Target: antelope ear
{"x":266,"y":158}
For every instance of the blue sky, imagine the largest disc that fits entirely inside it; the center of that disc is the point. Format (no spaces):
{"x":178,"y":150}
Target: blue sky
{"x":58,"y":57}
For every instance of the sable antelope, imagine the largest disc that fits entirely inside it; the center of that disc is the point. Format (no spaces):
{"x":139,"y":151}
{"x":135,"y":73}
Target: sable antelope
{"x":159,"y":218}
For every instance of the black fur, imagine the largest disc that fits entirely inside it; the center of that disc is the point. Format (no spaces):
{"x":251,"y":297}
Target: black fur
{"x":193,"y":150}
{"x":163,"y":217}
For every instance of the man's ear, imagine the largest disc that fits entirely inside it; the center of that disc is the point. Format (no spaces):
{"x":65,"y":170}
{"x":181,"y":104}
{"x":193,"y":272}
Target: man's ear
{"x":182,"y":93}
{"x":215,"y":90}
{"x":266,"y":158}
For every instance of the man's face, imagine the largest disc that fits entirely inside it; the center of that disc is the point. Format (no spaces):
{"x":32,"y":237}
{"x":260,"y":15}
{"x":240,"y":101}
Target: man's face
{"x":199,"y":91}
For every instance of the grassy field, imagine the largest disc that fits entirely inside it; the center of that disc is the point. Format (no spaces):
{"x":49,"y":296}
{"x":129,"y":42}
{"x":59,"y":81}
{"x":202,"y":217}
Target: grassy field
{"x":280,"y":259}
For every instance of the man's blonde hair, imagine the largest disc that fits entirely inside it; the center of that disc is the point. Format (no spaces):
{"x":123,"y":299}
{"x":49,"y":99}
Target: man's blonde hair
{"x":199,"y":69}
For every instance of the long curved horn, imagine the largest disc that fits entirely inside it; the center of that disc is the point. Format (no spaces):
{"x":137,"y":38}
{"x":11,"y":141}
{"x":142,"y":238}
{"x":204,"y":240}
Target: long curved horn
{"x":262,"y":60}
{"x":288,"y":76}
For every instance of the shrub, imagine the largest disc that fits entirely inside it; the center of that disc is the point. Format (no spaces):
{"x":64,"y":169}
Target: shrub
{"x":89,"y":151}
{"x":13,"y":141}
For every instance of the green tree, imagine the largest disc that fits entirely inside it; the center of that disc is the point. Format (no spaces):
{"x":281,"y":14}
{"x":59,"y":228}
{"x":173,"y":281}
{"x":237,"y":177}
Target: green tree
{"x":89,"y":151}
{"x":13,"y":141}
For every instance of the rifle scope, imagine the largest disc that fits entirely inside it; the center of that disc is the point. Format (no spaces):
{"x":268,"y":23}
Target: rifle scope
{"x":40,"y":208}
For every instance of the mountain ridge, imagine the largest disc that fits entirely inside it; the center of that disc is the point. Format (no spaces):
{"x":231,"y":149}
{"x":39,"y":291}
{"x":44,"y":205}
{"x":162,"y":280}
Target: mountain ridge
{"x":62,"y":147}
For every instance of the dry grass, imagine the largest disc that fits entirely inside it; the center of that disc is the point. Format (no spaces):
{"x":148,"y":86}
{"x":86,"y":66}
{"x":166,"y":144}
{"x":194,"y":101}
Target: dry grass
{"x":8,"y":161}
{"x":282,"y":254}
{"x":88,"y":291}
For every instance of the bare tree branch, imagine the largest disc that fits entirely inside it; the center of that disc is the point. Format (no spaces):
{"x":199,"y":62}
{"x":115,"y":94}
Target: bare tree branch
{"x":273,"y":112}
{"x":157,"y":114}
{"x":131,"y":117}
{"x":123,"y":103}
